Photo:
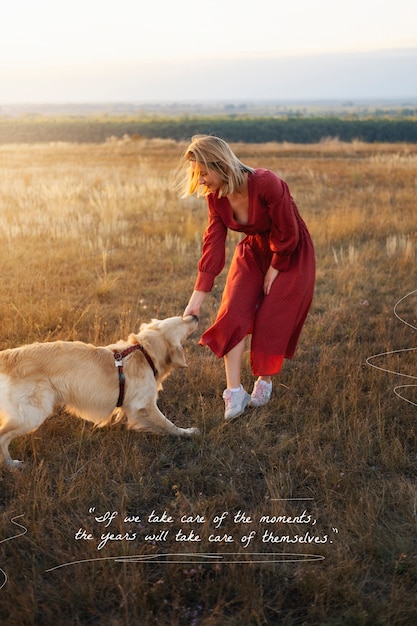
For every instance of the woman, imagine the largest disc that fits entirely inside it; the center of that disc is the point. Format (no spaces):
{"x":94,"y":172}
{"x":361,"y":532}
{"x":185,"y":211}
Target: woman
{"x":269,"y":287}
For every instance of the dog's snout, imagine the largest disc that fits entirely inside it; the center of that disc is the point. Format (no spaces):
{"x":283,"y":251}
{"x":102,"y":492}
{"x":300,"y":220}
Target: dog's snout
{"x":191,"y":317}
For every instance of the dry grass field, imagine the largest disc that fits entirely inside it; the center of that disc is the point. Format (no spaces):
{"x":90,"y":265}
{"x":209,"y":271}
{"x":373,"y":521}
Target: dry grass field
{"x":303,"y":512}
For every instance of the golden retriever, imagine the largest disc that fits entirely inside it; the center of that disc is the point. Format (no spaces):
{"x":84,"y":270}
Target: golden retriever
{"x":91,"y":382}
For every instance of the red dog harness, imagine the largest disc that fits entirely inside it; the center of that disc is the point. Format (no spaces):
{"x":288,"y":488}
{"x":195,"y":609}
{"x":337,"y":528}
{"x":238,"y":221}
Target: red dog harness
{"x":118,"y":361}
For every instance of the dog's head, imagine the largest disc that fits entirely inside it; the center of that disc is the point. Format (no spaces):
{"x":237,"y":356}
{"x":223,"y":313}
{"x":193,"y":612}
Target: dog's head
{"x":165,"y":338}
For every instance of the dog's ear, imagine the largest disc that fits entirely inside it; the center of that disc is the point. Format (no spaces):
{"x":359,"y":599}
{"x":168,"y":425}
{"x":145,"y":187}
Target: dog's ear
{"x":177,"y":356}
{"x":152,"y":325}
{"x":133,"y":338}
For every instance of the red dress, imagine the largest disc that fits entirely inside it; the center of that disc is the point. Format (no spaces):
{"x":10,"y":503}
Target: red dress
{"x":277,"y":235}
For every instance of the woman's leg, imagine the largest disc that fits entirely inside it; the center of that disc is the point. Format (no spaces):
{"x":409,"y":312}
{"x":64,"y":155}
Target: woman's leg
{"x":235,"y":397}
{"x":266,"y":379}
{"x":233,"y":364}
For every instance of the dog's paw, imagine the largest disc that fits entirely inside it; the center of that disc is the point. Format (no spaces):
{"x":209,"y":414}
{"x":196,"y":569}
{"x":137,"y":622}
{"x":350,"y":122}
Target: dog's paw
{"x":14,"y":464}
{"x":191,"y":432}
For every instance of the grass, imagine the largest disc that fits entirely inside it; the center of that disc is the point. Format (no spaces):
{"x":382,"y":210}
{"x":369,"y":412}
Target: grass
{"x":94,"y":242}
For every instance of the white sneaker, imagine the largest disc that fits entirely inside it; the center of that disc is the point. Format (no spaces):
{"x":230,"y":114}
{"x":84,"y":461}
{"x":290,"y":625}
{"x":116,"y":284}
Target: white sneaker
{"x":261,"y":393}
{"x":235,"y":402}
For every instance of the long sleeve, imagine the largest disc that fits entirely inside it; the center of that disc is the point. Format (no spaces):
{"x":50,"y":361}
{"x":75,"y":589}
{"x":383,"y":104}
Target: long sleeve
{"x":213,"y":255}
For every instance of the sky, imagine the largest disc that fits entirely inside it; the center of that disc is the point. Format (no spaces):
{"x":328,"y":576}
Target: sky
{"x":178,"y":50}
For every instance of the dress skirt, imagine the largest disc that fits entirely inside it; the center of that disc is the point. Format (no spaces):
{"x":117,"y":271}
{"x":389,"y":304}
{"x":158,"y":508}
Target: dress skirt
{"x":274,"y":320}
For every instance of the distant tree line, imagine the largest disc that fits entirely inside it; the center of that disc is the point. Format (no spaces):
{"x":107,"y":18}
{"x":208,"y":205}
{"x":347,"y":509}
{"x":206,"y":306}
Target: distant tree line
{"x":232,"y":128}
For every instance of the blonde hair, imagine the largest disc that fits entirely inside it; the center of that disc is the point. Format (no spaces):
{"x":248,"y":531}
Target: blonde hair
{"x":211,"y":153}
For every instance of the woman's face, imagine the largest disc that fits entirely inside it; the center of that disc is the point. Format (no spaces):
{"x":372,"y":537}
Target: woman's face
{"x":207,"y":177}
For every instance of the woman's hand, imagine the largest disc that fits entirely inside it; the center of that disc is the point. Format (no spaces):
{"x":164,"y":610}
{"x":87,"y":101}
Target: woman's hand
{"x":194,"y":305}
{"x":269,"y":278}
